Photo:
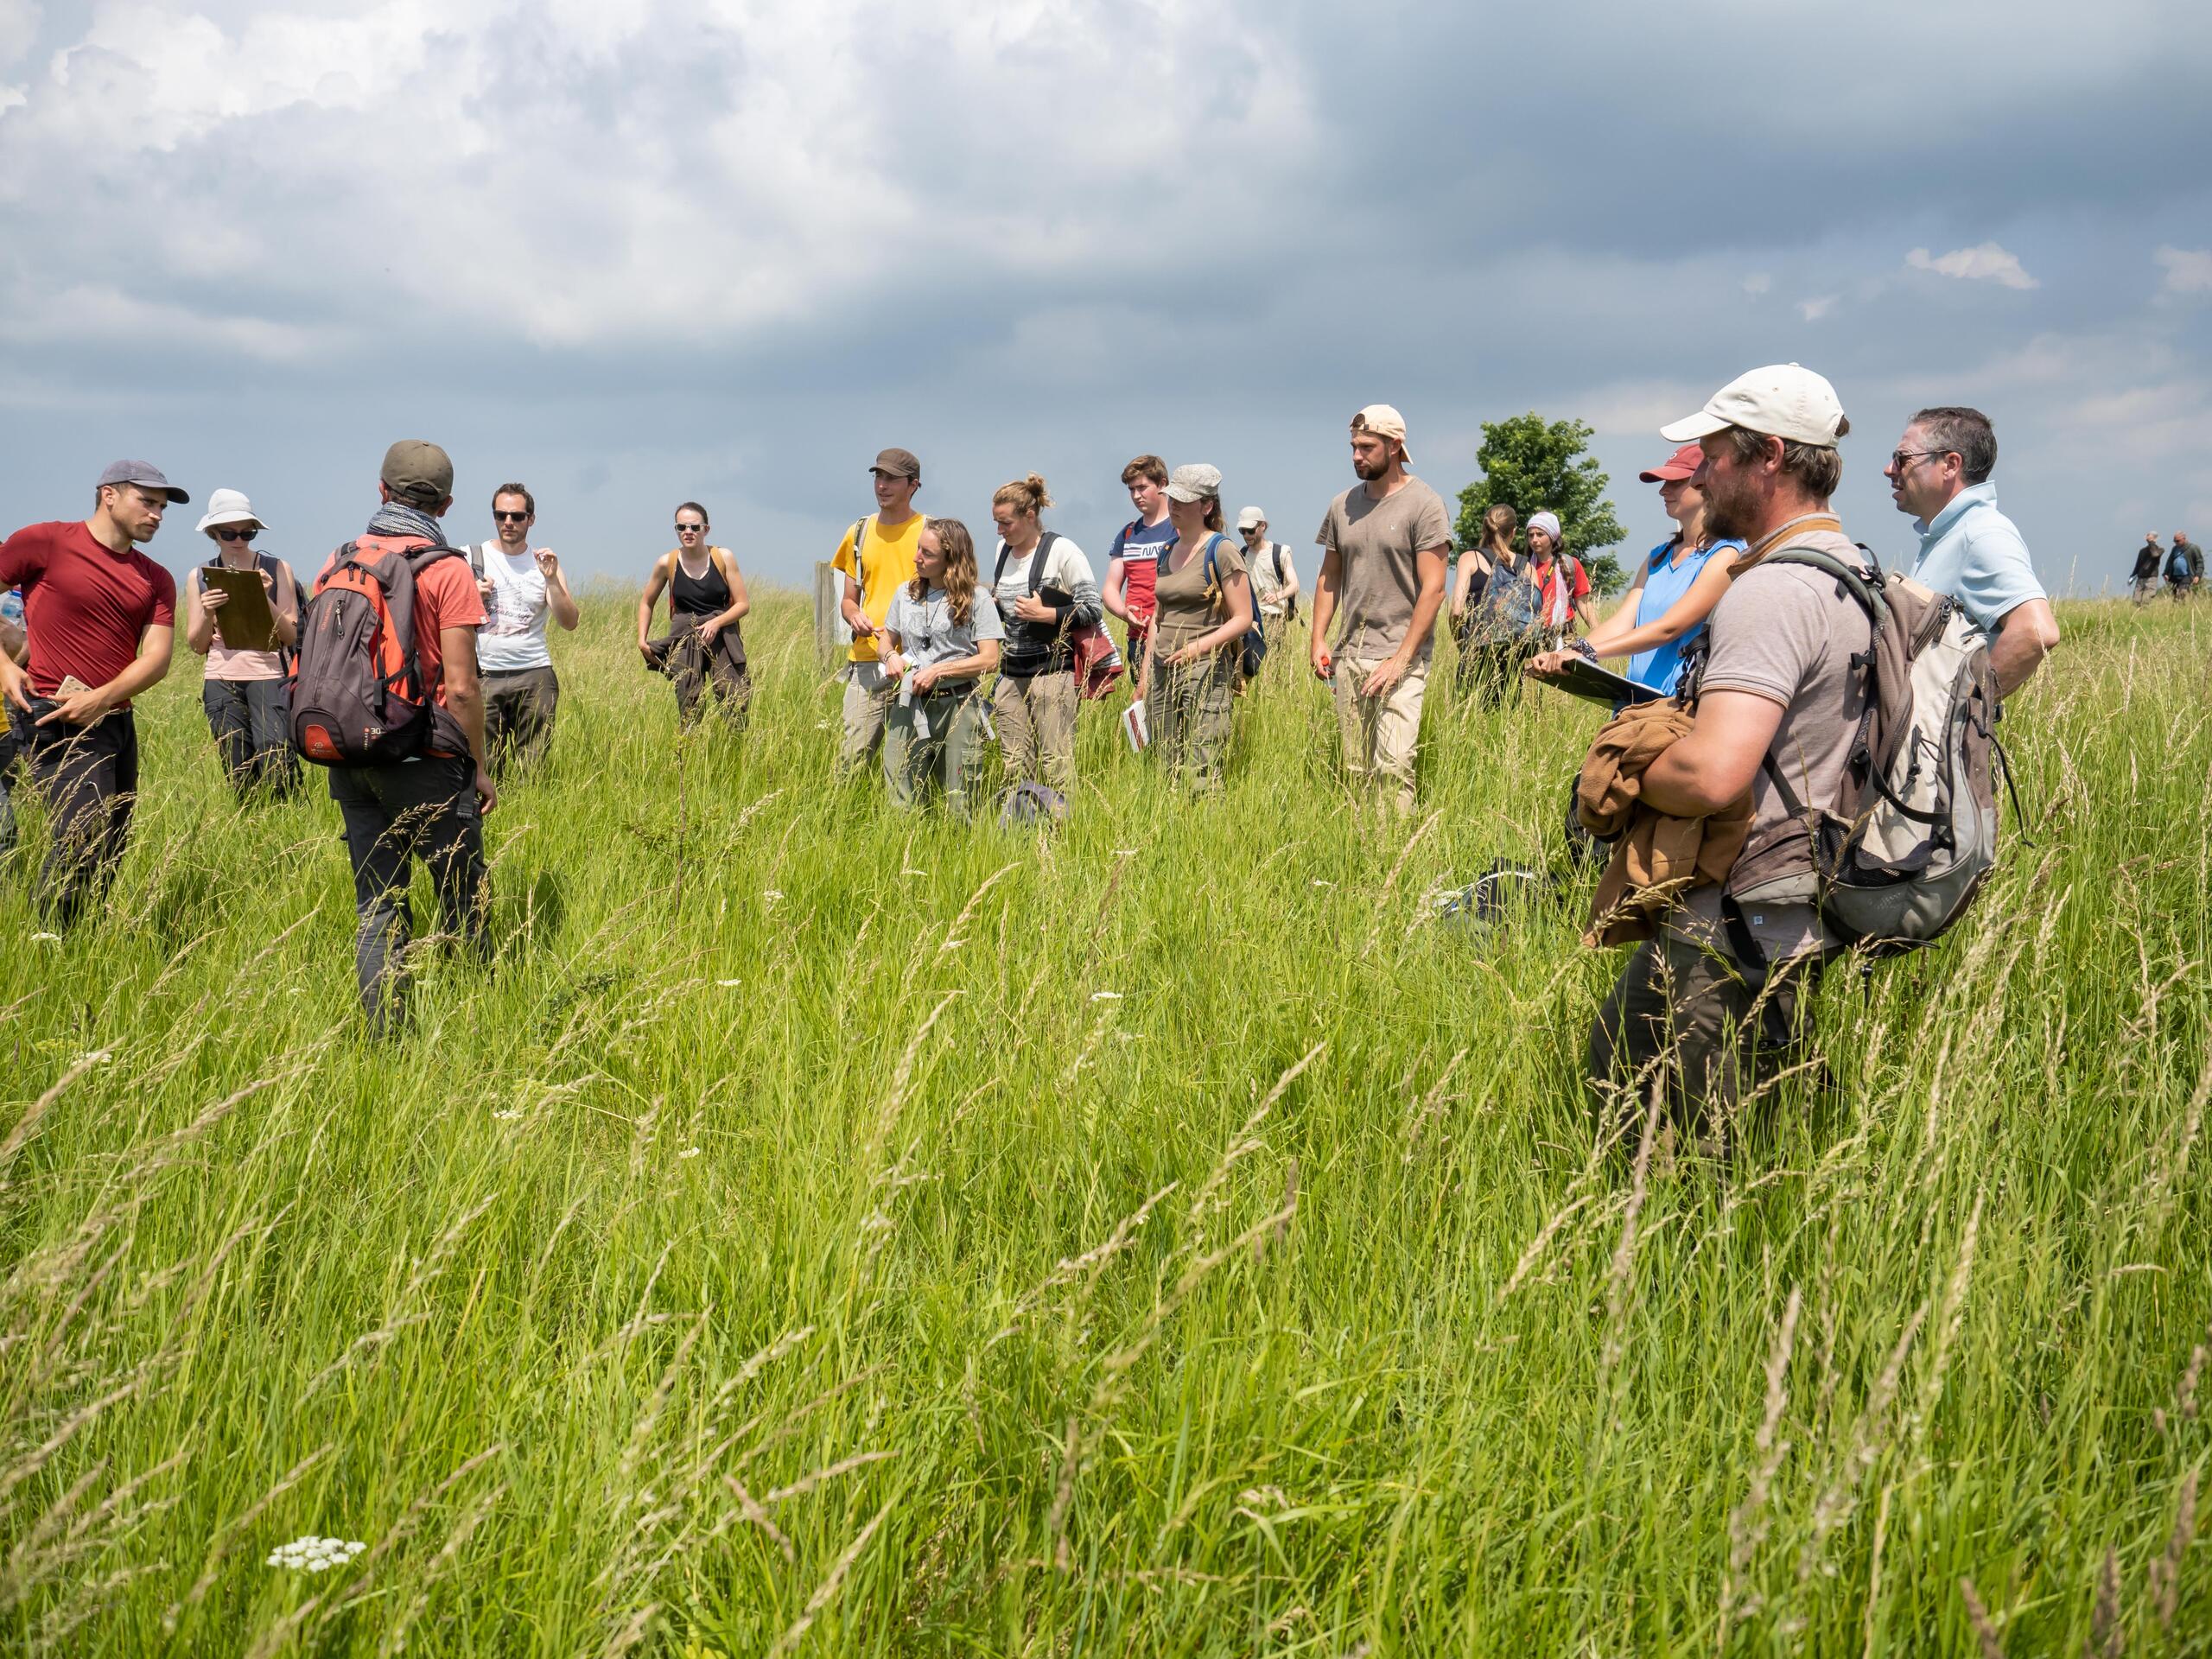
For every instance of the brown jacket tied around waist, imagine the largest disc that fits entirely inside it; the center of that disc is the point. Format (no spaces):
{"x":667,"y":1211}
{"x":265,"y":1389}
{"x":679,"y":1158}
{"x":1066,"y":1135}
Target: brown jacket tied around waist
{"x":1656,"y":858}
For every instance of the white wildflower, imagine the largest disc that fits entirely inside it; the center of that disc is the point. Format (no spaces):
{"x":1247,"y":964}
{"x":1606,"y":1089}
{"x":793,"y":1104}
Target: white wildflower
{"x":729,"y":984}
{"x":507,"y":1117}
{"x":313,"y":1554}
{"x":771,"y":894}
{"x":1125,"y":852}
{"x":950,"y":944}
{"x":46,"y":939}
{"x":1105,"y":996}
{"x":688,"y":1151}
{"x":94,"y":1056}
{"x":1319,"y":883}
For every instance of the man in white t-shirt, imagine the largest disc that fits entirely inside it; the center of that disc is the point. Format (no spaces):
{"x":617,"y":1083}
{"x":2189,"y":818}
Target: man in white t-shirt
{"x":521,"y":586}
{"x":1275,"y":578}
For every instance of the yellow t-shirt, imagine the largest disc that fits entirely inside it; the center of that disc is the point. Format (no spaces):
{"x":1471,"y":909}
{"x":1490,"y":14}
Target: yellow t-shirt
{"x":887,"y":565}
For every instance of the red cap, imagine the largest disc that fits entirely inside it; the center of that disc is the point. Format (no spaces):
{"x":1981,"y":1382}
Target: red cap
{"x":1684,"y":461}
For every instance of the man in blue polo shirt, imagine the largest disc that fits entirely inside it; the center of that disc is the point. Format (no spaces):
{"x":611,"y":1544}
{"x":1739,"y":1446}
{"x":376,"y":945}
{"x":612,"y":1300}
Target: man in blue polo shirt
{"x":1940,"y":476}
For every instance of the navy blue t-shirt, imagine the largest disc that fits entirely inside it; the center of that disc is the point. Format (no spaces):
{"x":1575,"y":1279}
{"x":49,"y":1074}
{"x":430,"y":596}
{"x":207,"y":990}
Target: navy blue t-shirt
{"x":1139,"y":544}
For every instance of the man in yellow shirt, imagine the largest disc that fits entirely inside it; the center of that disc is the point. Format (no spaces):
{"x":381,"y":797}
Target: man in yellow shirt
{"x":877,"y":557}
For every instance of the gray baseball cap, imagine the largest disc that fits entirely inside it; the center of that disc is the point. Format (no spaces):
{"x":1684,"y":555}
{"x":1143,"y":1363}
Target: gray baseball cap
{"x":1251,"y":517}
{"x":145,"y":475}
{"x":1196,"y":482}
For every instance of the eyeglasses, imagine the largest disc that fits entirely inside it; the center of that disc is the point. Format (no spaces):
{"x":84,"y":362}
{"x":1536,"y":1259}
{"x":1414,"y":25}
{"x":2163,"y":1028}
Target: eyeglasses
{"x":510,"y":517}
{"x":238,"y":535}
{"x":1904,"y":458}
{"x":689,"y":530}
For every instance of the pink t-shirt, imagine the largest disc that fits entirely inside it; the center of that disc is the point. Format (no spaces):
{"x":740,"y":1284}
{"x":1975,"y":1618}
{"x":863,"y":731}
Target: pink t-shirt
{"x":227,"y":665}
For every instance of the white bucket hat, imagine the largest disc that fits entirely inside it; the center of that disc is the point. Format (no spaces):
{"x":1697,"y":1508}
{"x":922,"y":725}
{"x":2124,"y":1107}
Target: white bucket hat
{"x":229,"y":507}
{"x":1196,"y":482}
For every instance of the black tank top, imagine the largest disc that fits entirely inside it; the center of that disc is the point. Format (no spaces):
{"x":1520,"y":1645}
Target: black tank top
{"x":700,"y":595}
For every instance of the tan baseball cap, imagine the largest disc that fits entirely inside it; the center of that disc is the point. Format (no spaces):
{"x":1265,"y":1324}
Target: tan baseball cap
{"x":418,"y":472}
{"x":898,"y":463}
{"x":1784,"y":400}
{"x":1385,"y":423}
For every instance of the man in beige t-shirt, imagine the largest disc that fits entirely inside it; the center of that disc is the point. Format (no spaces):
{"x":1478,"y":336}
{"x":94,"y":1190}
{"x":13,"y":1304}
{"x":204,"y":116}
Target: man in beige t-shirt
{"x":1383,"y":547}
{"x":1780,"y":699}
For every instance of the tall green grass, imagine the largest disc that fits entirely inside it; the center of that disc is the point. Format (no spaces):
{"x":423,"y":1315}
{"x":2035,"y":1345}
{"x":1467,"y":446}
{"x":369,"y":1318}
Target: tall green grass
{"x":826,"y":1231}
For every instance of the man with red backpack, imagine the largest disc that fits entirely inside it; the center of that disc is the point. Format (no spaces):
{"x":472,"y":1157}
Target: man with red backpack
{"x":387,"y":696}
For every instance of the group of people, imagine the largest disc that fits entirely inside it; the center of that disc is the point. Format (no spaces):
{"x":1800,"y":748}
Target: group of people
{"x":940,"y":655}
{"x":2181,"y":565}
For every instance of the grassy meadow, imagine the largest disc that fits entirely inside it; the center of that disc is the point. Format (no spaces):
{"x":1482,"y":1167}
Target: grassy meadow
{"x":828,"y":1232}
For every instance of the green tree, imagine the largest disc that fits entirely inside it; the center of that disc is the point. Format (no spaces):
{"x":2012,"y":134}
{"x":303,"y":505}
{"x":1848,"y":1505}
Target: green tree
{"x":1531,"y":464}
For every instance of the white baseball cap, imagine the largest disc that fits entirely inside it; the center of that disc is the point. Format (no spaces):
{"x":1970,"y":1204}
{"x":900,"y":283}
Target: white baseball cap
{"x":229,"y":507}
{"x":1784,"y":400}
{"x":1251,"y":519}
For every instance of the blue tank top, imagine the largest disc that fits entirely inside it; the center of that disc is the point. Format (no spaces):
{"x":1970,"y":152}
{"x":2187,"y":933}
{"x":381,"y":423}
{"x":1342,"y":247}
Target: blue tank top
{"x":1663,"y":583}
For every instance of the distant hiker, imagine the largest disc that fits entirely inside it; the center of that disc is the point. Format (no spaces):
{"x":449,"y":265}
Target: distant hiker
{"x":243,"y":692}
{"x":1206,"y":610}
{"x":704,"y":650}
{"x":1940,"y":475}
{"x":428,"y":805}
{"x":877,"y":557}
{"x":1776,"y":713}
{"x":101,"y":618}
{"x":1045,"y":591}
{"x":2181,"y":576}
{"x":942,"y":636}
{"x":1565,"y":582}
{"x":2149,"y":559}
{"x":1274,"y":578}
{"x":521,"y":587}
{"x":1677,"y":586}
{"x":2193,"y":554}
{"x":1498,"y":614}
{"x":1132,"y":562}
{"x":1382,"y":546}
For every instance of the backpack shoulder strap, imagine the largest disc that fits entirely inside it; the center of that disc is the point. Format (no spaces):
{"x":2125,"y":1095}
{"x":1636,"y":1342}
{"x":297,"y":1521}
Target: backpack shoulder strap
{"x":1854,"y":581}
{"x":1036,"y":565}
{"x":860,"y":540}
{"x":998,"y":573}
{"x":476,"y":555}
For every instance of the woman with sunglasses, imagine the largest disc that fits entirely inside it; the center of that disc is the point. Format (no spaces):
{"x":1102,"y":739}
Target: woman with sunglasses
{"x":244,"y":692}
{"x":703,"y":647}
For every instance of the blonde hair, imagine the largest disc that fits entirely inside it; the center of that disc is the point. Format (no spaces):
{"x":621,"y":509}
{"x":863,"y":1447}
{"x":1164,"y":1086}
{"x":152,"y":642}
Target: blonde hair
{"x":1024,"y":495}
{"x":1500,"y":522}
{"x":960,"y":573}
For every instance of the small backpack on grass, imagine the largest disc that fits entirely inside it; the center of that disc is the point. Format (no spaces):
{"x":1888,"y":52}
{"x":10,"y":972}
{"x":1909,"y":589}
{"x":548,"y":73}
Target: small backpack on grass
{"x":356,"y":691}
{"x":1913,"y":833}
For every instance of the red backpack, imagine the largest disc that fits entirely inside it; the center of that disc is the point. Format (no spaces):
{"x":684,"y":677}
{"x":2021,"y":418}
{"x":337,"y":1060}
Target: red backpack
{"x":356,"y":691}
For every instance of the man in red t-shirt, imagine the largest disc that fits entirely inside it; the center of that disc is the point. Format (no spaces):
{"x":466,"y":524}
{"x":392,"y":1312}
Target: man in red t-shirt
{"x":102,"y":618}
{"x":431,"y":807}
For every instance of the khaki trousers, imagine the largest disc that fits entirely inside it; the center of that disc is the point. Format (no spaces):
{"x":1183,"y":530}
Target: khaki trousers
{"x":868,"y":694}
{"x":1036,"y":721}
{"x":1190,"y":711}
{"x":1380,"y":734}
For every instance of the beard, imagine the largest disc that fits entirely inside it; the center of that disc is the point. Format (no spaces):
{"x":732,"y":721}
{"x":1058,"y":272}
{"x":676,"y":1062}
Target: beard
{"x":1369,"y":470}
{"x":1730,"y":512}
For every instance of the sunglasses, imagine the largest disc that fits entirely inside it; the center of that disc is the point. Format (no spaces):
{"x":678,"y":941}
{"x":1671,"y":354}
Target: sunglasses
{"x":1899,"y":459}
{"x":689,"y":530}
{"x":237,"y":535}
{"x":510,"y":517}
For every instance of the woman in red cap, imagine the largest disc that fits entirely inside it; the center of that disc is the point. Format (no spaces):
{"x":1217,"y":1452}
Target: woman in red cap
{"x":1675,"y":589}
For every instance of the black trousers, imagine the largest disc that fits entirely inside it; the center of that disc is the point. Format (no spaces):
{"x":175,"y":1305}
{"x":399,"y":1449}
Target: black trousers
{"x":394,"y":815}
{"x":251,"y":721}
{"x":518,"y":709}
{"x":88,"y":776}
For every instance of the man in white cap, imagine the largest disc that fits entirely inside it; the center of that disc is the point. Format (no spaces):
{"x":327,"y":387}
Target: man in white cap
{"x":1382,"y":547}
{"x":102,"y":620}
{"x":1275,"y":578}
{"x":1778,"y":708}
{"x":243,"y":691}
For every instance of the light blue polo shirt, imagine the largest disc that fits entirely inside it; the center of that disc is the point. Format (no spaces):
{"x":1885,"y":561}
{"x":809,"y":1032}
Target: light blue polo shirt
{"x":1974,"y":553}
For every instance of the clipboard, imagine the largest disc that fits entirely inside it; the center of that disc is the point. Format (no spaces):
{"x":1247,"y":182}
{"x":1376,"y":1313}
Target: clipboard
{"x":1583,"y":678}
{"x":245,"y":621}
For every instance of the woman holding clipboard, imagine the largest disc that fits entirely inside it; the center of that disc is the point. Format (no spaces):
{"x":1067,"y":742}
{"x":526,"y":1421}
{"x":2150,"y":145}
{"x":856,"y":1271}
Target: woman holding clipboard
{"x":244,"y":642}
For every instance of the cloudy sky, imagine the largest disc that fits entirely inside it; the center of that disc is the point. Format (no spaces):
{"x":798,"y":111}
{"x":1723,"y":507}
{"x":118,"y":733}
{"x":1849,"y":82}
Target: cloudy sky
{"x":728,"y":249}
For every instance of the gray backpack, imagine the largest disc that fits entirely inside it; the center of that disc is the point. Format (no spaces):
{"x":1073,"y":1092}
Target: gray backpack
{"x":1913,"y":833}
